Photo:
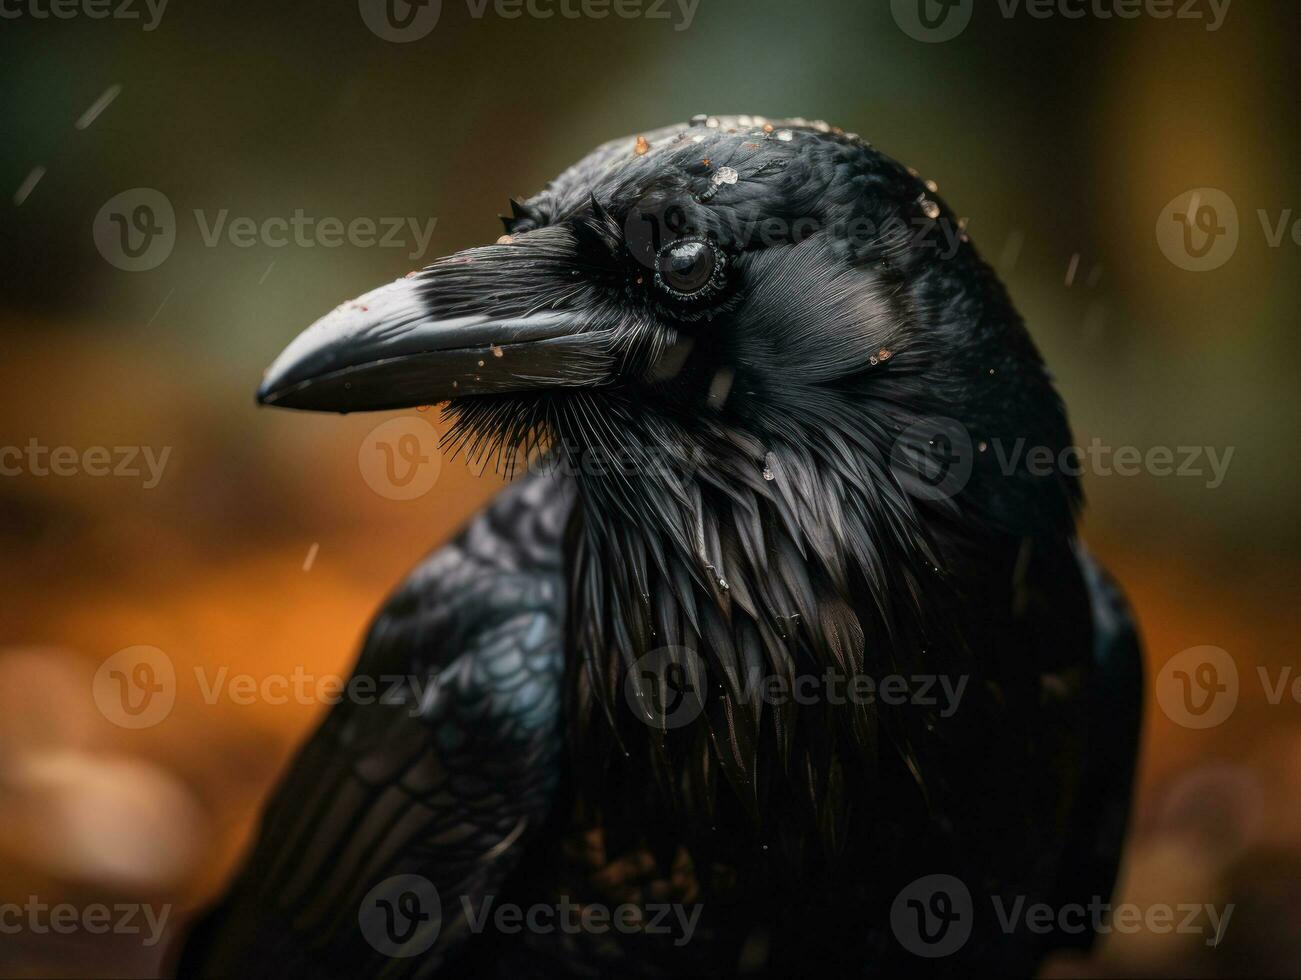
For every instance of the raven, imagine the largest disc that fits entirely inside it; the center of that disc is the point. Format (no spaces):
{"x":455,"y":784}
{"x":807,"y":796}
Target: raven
{"x":768,"y":663}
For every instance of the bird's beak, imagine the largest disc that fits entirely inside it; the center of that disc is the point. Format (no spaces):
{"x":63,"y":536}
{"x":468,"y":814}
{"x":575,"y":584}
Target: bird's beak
{"x":473,"y":323}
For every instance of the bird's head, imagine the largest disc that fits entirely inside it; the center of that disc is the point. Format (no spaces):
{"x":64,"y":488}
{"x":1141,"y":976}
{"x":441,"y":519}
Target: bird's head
{"x":771,"y":337}
{"x":719,"y":295}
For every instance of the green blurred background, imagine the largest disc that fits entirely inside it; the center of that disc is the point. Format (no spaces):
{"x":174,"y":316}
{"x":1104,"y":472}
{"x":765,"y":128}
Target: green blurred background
{"x":262,"y":548}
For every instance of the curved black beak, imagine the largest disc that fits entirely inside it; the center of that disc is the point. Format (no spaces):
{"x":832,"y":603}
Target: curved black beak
{"x":428,"y":338}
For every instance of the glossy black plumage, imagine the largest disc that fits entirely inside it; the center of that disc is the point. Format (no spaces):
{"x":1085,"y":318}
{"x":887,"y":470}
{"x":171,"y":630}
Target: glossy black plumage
{"x":761,"y":517}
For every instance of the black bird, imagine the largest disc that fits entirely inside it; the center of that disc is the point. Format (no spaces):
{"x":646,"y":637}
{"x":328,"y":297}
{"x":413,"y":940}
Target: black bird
{"x":789,"y":619}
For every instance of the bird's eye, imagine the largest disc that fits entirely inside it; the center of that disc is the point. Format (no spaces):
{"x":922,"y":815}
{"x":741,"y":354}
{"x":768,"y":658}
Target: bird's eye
{"x":689,"y":268}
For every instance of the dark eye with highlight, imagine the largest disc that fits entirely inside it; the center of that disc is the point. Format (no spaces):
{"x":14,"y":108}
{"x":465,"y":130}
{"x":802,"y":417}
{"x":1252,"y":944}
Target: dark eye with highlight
{"x":690,"y":268}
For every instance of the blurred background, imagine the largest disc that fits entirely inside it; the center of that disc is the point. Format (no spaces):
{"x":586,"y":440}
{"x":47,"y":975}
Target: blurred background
{"x":146,"y":506}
